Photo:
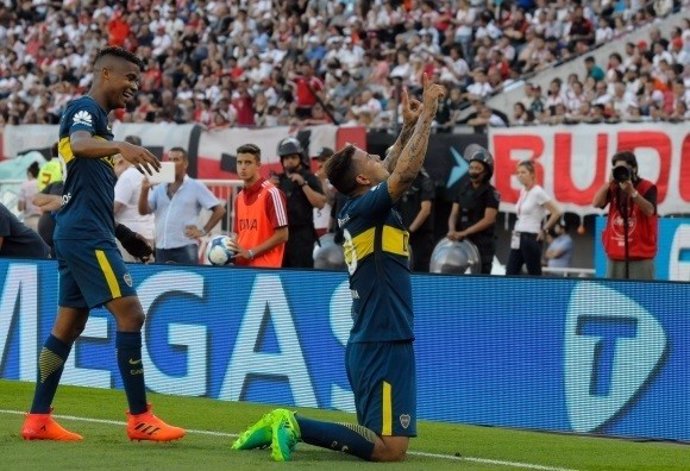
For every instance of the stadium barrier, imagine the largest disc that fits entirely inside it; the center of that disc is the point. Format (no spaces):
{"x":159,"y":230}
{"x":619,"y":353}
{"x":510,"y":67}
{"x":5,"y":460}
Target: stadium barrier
{"x":555,"y":354}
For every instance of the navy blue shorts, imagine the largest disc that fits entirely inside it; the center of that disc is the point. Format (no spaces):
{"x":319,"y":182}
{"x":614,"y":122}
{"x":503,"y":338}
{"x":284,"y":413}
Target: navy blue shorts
{"x":383,"y":379}
{"x":92,"y":273}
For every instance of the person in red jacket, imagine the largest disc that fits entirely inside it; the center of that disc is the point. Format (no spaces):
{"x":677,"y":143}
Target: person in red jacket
{"x":631,"y":232}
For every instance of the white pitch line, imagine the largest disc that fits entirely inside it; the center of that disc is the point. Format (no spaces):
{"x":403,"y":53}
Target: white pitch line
{"x":512,"y":464}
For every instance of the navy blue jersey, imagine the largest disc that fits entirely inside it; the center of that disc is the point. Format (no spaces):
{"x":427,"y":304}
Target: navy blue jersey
{"x":377,"y":256}
{"x":88,"y":195}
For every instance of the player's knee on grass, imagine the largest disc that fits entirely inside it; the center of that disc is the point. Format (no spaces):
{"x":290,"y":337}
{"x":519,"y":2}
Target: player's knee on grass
{"x":390,"y":449}
{"x":128,"y":313}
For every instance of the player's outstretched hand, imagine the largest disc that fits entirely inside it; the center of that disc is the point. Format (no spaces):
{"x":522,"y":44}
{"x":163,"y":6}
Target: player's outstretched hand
{"x":411,"y":108}
{"x":431,"y":95}
{"x":140,"y":157}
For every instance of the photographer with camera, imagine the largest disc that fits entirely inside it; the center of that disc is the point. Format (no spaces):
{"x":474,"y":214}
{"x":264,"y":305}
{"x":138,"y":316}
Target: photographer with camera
{"x":630,"y":235}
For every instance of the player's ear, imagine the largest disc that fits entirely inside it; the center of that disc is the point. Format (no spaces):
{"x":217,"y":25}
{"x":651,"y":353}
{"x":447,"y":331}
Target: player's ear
{"x":362,"y":180}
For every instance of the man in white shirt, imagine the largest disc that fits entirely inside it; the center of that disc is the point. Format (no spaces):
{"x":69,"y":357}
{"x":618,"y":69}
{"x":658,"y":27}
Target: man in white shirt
{"x":127,"y":189}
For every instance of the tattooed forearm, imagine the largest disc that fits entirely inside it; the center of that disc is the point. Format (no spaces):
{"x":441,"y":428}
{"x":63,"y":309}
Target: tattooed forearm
{"x":396,"y":149}
{"x":413,"y":154}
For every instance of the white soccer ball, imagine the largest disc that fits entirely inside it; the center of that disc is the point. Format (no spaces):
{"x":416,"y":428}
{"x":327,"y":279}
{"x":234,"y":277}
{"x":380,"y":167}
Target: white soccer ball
{"x":217,"y":251}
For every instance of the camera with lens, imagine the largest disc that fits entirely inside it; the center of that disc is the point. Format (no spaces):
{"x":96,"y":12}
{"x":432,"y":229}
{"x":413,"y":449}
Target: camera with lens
{"x":621,"y":173}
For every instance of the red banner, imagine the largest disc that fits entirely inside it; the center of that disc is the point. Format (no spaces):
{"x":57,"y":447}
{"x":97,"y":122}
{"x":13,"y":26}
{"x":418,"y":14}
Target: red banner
{"x":573,"y":162}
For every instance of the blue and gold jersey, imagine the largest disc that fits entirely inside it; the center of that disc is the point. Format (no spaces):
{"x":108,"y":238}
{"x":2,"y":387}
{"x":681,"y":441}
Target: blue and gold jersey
{"x":377,"y":256}
{"x":87,"y":210}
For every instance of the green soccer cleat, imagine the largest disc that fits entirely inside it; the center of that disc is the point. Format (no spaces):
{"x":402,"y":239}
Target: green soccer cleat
{"x":257,"y":436}
{"x":285,"y":434}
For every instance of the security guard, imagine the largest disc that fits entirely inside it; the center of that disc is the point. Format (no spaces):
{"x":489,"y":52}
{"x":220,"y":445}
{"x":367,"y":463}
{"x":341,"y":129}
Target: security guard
{"x":474,"y":211}
{"x":304,"y":192}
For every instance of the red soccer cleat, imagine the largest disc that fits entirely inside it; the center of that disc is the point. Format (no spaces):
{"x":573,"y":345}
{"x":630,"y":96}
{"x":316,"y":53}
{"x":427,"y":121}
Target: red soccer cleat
{"x":146,"y":426}
{"x":44,"y":427}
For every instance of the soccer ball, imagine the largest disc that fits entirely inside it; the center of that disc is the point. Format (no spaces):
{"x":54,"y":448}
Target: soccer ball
{"x":217,"y":251}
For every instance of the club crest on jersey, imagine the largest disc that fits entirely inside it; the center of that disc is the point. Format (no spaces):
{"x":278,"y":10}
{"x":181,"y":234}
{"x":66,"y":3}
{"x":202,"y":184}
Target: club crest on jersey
{"x":128,"y":279}
{"x":83,"y":118}
{"x":405,"y":421}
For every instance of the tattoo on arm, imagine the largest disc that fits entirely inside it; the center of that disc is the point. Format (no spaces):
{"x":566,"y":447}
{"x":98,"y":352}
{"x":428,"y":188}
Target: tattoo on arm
{"x":397,"y":148}
{"x":414,"y":152}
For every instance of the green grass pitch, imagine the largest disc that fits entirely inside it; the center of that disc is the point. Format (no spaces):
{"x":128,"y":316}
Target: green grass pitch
{"x":212,"y":426}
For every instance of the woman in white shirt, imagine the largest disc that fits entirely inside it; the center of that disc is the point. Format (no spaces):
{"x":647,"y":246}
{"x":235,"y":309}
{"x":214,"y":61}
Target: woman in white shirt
{"x":528,"y":233}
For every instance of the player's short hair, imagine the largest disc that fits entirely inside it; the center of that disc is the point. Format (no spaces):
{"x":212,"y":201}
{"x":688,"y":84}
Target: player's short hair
{"x":118,"y":52}
{"x":180,"y":150}
{"x":341,"y":170}
{"x":250,"y":149}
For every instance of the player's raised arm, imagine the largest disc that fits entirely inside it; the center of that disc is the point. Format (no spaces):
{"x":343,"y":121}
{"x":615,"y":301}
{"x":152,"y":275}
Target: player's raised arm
{"x":412,"y":156}
{"x":410,"y":113}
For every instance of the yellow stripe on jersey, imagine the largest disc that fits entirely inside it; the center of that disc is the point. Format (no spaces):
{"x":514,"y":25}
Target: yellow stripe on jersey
{"x":387,"y":410}
{"x":65,"y":149}
{"x":110,"y":277}
{"x":362,"y":245}
{"x":395,"y":241}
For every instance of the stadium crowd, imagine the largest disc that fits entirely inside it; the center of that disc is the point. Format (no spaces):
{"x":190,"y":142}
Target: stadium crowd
{"x":264,"y":63}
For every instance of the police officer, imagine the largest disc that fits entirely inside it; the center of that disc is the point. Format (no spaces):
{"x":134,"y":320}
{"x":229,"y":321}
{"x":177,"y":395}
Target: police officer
{"x":304,"y":192}
{"x":415,"y":207}
{"x":474,"y":211}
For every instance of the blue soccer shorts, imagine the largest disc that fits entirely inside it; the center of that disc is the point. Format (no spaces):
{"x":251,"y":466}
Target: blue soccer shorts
{"x":383,"y":379}
{"x":92,"y":273}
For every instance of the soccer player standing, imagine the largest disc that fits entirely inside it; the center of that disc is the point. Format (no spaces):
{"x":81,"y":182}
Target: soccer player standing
{"x":379,"y":355}
{"x":260,"y":215}
{"x":92,"y":272}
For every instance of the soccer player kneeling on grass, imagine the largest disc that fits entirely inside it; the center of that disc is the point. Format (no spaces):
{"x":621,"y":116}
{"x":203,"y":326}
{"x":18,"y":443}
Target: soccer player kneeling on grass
{"x":379,"y":354}
{"x":92,"y":272}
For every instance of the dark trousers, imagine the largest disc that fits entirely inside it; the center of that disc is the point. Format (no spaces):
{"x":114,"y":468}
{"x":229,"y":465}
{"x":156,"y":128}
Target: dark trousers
{"x":188,"y":255}
{"x":299,"y":249}
{"x":487,"y":250}
{"x":528,"y":254}
{"x":422,"y":245}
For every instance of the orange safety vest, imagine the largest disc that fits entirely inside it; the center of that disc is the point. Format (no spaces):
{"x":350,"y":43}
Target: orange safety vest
{"x":259,"y":210}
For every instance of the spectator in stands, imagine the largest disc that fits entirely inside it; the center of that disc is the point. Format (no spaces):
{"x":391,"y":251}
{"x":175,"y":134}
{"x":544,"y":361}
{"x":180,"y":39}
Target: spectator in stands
{"x":200,"y":44}
{"x":528,"y":232}
{"x":177,"y":234}
{"x":126,"y":202}
{"x":308,"y":90}
{"x":17,"y":240}
{"x":304,"y":193}
{"x":260,"y":215}
{"x":29,"y":212}
{"x":630,"y":235}
{"x":593,"y":70}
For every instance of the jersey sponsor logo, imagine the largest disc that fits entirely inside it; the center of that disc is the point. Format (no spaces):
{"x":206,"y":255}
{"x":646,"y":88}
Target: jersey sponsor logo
{"x":247,"y":224}
{"x":66,"y":198}
{"x":83,"y":118}
{"x":405,"y":420}
{"x":610,"y":354}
